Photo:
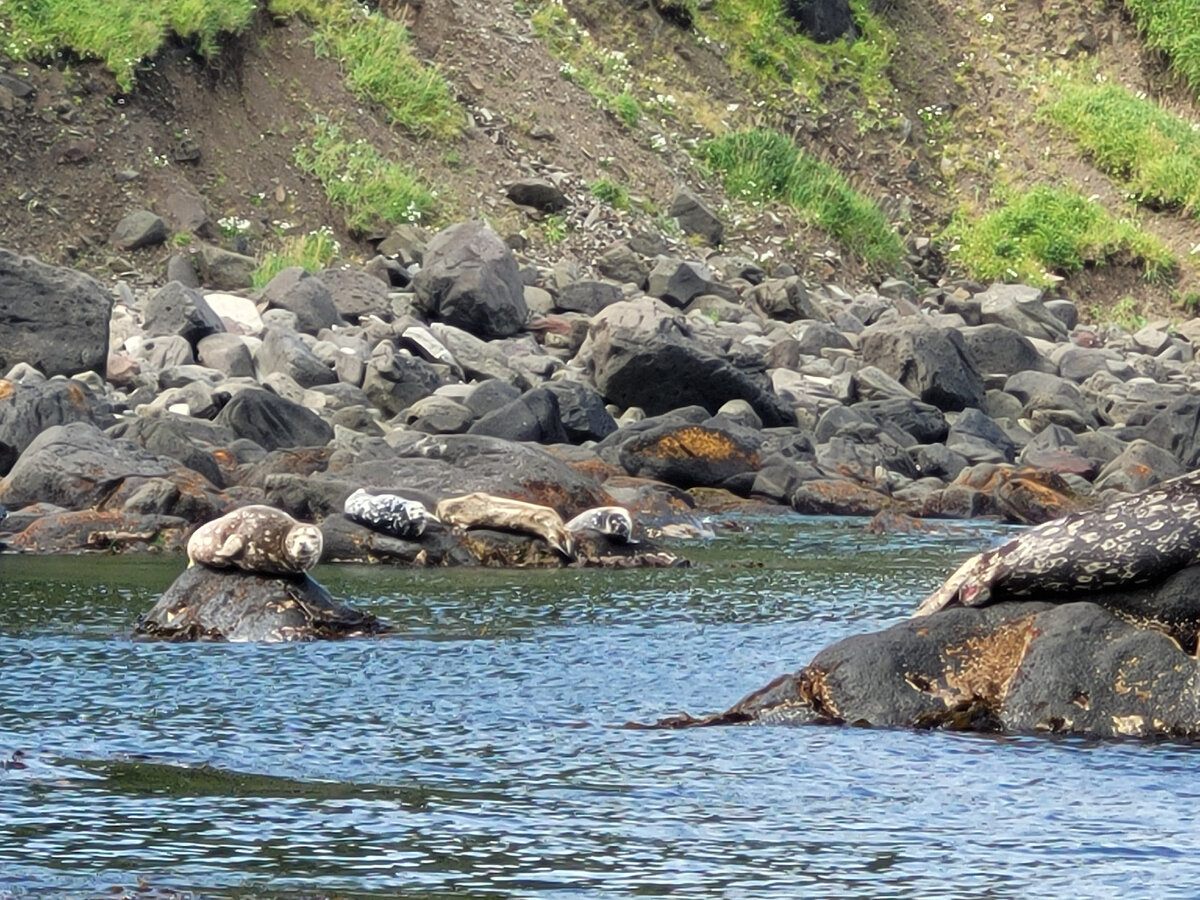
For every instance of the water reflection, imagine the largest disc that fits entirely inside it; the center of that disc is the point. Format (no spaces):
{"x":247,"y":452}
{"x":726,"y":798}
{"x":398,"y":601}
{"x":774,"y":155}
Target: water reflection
{"x":474,"y":753}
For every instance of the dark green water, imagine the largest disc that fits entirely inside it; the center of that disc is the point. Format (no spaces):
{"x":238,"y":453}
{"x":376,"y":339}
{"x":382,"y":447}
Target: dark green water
{"x":474,"y":754}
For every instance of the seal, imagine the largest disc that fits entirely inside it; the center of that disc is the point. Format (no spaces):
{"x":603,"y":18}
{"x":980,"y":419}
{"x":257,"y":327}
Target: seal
{"x":389,"y":513}
{"x":480,"y":510}
{"x":256,"y":539}
{"x":614,"y":521}
{"x":1138,"y":539}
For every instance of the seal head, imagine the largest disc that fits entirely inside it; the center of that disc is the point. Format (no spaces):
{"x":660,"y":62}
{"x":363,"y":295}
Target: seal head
{"x":614,"y":521}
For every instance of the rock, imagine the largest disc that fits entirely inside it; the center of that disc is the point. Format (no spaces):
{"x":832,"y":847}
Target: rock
{"x":924,"y":422}
{"x":228,"y":353}
{"x":353,"y":292}
{"x":439,"y":415}
{"x":1043,"y":391}
{"x":1177,"y":430}
{"x":180,"y":268}
{"x":224,"y":270}
{"x":110,"y":531}
{"x":470,"y":280}
{"x":51,"y":318}
{"x":620,"y":263}
{"x":690,"y":455}
{"x":695,"y":217}
{"x":838,"y":497}
{"x":933,"y":363}
{"x":306,"y":296}
{"x":1139,"y":466}
{"x":538,"y":193}
{"x":273,"y":422}
{"x":1031,"y":667}
{"x":77,"y":466}
{"x":588,"y":297}
{"x":479,"y":359}
{"x":642,"y":355}
{"x":238,"y":314}
{"x":395,"y":379}
{"x":999,"y":349}
{"x":822,"y":20}
{"x":582,"y":411}
{"x":284,"y":352}
{"x":678,"y":283}
{"x":26,"y":410}
{"x":1020,"y":308}
{"x":141,"y":228}
{"x":177,"y":310}
{"x":534,"y":416}
{"x":204,"y":604}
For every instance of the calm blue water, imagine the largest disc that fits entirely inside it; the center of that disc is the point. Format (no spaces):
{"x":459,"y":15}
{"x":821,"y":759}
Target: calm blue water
{"x":474,"y":754}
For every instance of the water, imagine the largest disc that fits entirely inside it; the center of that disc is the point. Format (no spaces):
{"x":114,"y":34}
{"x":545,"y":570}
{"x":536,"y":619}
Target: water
{"x":475,"y":753}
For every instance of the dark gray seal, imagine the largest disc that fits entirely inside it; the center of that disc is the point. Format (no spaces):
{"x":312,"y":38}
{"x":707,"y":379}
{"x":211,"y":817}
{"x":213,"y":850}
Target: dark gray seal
{"x":1138,"y":539}
{"x":389,"y":514}
{"x":257,"y":539}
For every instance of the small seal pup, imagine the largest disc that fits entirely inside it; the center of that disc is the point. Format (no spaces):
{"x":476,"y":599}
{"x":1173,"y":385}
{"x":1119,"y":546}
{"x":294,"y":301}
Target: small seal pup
{"x":1138,"y":539}
{"x":256,"y":539}
{"x":481,"y":510}
{"x":389,"y":514}
{"x":614,"y":521}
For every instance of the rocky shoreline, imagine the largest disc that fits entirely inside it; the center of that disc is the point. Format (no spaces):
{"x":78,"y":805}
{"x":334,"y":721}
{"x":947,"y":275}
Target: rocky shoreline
{"x":446,"y":365}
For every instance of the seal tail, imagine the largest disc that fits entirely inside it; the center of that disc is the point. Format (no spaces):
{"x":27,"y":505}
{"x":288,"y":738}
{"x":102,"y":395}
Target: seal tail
{"x":961,"y":589}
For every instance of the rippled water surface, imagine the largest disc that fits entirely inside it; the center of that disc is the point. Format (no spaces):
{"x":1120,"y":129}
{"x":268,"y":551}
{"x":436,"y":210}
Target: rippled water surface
{"x":475,"y":753}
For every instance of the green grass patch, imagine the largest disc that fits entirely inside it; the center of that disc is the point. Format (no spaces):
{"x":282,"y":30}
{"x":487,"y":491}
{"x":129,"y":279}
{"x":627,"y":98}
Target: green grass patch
{"x":1047,"y":232}
{"x":1172,"y":26}
{"x":1155,"y":153}
{"x":764,"y":45}
{"x":765,"y":165}
{"x":313,"y":252}
{"x":611,"y":193}
{"x":376,"y":54}
{"x":370,"y":189}
{"x":119,"y":33}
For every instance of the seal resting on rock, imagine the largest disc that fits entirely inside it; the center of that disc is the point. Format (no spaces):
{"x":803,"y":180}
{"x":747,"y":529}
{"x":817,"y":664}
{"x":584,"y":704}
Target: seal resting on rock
{"x":614,"y":521}
{"x":389,"y":513}
{"x":1138,"y":539}
{"x":481,"y":510}
{"x":256,"y":539}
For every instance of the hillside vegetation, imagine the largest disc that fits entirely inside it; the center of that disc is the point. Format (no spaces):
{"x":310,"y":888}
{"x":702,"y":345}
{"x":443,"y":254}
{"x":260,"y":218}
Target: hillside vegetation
{"x":1056,"y":143}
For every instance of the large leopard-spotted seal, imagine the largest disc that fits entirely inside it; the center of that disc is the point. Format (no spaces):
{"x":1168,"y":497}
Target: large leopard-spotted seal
{"x":1138,"y":539}
{"x":614,"y":521}
{"x":480,"y":510}
{"x":256,"y":539}
{"x":389,"y":514}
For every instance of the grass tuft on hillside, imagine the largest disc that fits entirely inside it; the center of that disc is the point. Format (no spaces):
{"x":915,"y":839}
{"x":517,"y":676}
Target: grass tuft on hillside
{"x":1155,"y":153}
{"x":1046,"y":233}
{"x":120,"y":33}
{"x":764,"y":165}
{"x":1172,"y":26}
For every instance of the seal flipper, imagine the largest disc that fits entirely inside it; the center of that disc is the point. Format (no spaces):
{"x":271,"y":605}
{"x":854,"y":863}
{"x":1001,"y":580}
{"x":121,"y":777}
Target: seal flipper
{"x":233,"y":547}
{"x":968,"y":586}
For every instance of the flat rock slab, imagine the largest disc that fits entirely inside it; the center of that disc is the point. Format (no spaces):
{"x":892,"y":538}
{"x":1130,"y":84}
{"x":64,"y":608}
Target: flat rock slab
{"x":1117,"y":665}
{"x":206,"y":605}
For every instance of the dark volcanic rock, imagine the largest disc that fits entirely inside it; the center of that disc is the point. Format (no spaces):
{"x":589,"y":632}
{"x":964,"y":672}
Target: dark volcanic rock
{"x":1117,"y":665}
{"x":26,"y":410}
{"x":177,"y":310}
{"x":582,"y":411}
{"x":304,"y":295}
{"x":284,"y":351}
{"x":273,"y":422}
{"x":54,"y":319}
{"x":822,"y":20}
{"x":534,"y":416}
{"x":689,"y":455}
{"x":108,"y":531}
{"x":204,"y":604}
{"x":354,"y":293}
{"x":933,"y":363}
{"x":470,"y":279}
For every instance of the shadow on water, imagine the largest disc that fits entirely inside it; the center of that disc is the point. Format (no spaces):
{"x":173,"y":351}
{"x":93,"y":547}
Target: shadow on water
{"x":474,"y":753}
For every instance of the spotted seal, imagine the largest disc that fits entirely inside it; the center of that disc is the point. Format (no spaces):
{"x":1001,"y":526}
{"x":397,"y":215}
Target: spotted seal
{"x":1138,"y":539}
{"x":480,"y":510}
{"x":389,"y":514}
{"x":256,"y":539}
{"x":614,"y":521}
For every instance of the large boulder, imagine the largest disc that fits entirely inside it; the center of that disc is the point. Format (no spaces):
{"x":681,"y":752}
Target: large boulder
{"x":52,"y":318}
{"x":470,"y":279}
{"x":934,"y":363}
{"x":1117,"y":664}
{"x":177,"y":310}
{"x":822,"y":20}
{"x":534,"y":416}
{"x":642,"y":354}
{"x":204,"y":604}
{"x":26,"y":410}
{"x":305,"y":296}
{"x":690,"y":455}
{"x":273,"y":422}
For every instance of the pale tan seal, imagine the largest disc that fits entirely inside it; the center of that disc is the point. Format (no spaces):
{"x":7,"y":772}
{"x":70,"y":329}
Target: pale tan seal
{"x":481,"y":510}
{"x":256,"y":539}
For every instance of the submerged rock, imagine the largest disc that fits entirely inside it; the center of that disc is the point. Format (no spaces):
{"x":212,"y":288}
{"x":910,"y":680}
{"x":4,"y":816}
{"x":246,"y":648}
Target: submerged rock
{"x":204,"y":604}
